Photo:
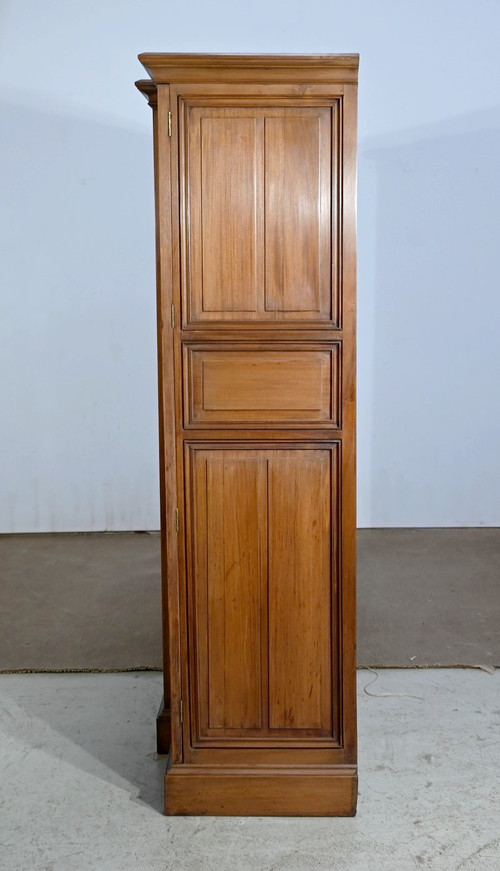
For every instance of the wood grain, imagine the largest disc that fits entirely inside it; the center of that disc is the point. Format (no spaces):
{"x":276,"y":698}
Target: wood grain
{"x":262,"y":589}
{"x":273,"y":792}
{"x":263,"y":68}
{"x":300,"y":595}
{"x":261,"y":385}
{"x":234,"y":521}
{"x":225,"y":198}
{"x":297,"y":209}
{"x":258,"y":215}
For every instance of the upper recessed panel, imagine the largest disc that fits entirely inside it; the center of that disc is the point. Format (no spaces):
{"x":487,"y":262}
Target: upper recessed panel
{"x":258,"y":215}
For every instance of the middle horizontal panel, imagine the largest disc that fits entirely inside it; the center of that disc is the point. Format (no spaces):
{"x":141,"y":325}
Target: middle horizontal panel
{"x":228,"y":386}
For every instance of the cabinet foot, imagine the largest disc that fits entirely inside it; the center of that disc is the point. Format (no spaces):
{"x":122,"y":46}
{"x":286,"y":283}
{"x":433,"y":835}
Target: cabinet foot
{"x":163,"y":729}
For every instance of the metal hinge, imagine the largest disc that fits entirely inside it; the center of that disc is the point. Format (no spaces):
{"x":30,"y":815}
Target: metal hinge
{"x":170,"y":123}
{"x":172,"y":316}
{"x":177,"y":519}
{"x":181,"y":711}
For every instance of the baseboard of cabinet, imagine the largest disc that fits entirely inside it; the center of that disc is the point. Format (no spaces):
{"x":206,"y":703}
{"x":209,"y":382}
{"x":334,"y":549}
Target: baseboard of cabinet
{"x":224,"y":791}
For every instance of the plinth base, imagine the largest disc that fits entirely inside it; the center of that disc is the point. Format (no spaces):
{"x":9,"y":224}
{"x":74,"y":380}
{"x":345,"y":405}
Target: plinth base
{"x":223,"y":791}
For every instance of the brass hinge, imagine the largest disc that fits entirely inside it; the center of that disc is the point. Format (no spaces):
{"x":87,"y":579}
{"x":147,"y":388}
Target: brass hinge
{"x":177,"y":519}
{"x":181,"y":711}
{"x":172,"y":316}
{"x":170,"y":123}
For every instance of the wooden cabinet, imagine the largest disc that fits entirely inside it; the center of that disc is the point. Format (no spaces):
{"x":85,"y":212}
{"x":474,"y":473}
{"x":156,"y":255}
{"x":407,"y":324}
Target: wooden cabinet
{"x":255,"y":174}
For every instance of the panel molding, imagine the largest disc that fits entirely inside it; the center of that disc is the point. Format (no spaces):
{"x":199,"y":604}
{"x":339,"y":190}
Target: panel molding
{"x":202,"y":311}
{"x":202,"y":733}
{"x":228,"y":385}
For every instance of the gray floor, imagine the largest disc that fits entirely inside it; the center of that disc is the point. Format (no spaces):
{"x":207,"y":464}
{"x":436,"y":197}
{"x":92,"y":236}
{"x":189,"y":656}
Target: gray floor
{"x":425,"y":597}
{"x":80,"y":601}
{"x":82,"y":787}
{"x":429,"y":597}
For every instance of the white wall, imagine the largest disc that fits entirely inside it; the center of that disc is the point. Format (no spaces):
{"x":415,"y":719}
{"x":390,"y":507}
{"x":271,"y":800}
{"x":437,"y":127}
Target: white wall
{"x":77,"y":321}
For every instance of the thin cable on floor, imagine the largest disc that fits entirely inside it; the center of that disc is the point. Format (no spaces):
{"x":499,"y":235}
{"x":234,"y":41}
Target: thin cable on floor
{"x":386,"y":695}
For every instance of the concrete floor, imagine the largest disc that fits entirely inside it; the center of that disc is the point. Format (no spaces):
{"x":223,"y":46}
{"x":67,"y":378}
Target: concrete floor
{"x":82,"y":788}
{"x":425,"y":597}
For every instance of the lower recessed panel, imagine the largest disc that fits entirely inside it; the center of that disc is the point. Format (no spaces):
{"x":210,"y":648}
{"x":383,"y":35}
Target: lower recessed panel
{"x":262,"y":588}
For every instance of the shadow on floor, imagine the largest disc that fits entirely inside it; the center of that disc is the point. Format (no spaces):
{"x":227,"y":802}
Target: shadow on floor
{"x":103,"y":725}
